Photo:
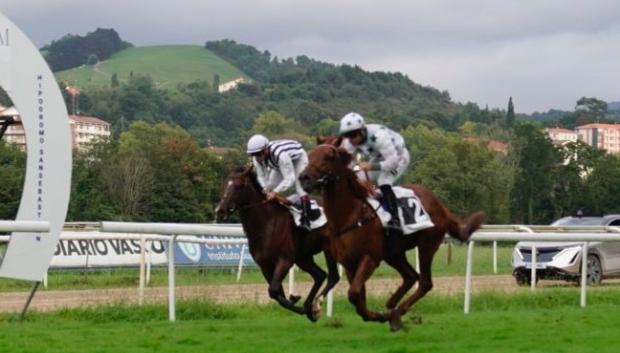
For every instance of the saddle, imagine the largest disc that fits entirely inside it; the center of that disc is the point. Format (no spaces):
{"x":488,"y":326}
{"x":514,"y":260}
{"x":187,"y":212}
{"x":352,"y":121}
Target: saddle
{"x":317,"y":215}
{"x":413,"y":217}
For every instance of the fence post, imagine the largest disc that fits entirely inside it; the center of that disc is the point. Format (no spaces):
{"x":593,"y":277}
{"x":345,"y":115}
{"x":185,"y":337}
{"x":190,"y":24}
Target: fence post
{"x":584,"y":273}
{"x":291,"y":280}
{"x":470,"y":259}
{"x":495,"y":256}
{"x":533,"y":270}
{"x":148,"y":263}
{"x":171,"y":284}
{"x":142,"y":270}
{"x":240,"y":267}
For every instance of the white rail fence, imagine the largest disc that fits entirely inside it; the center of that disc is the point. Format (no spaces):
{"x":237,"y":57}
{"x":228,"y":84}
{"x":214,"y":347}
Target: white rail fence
{"x":495,"y":233}
{"x":172,"y":232}
{"x":24,"y":226}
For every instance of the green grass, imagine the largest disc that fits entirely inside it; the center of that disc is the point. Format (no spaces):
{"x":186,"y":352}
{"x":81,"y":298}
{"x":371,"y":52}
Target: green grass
{"x":547,"y":321}
{"x":167,"y":65}
{"x":190,"y":276}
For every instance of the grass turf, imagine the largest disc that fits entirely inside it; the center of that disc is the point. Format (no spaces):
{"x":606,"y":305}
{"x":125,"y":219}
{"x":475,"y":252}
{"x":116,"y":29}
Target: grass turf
{"x":547,"y":321}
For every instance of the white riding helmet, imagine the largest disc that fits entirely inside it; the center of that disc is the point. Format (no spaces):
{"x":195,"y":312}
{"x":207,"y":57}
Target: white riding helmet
{"x":351,"y":122}
{"x":257,"y":143}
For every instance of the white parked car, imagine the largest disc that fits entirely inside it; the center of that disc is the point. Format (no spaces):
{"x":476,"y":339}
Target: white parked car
{"x":562,"y":261}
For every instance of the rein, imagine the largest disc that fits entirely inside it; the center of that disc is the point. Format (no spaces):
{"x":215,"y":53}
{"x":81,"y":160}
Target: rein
{"x":252,"y":205}
{"x":358,"y":224}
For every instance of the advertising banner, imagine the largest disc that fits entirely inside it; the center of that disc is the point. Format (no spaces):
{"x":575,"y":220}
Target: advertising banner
{"x":105,"y":252}
{"x":212,"y":255}
{"x":94,"y":253}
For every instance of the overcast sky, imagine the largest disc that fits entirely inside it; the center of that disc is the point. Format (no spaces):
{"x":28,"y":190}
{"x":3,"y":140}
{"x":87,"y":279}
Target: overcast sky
{"x":545,"y":54}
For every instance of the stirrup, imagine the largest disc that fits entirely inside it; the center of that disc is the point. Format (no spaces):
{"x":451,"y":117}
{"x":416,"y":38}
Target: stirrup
{"x":306,"y":226}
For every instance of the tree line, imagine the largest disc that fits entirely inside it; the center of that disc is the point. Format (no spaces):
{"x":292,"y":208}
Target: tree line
{"x":155,"y":166}
{"x":73,"y":50}
{"x":158,"y":172}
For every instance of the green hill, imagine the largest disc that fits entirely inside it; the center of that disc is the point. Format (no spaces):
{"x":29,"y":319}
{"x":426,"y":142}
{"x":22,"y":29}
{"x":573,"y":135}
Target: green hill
{"x":167,"y":65}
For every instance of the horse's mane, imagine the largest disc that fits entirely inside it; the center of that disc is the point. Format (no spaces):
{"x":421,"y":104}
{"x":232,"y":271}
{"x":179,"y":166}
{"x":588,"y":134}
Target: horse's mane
{"x":357,"y":188}
{"x":251,"y":175}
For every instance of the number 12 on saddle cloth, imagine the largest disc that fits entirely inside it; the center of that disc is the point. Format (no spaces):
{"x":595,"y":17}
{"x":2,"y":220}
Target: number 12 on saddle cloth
{"x":412,"y":215}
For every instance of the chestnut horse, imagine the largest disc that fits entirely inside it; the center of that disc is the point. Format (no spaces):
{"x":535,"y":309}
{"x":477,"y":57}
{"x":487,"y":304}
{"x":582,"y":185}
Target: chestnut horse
{"x":357,"y":239}
{"x":275,"y":242}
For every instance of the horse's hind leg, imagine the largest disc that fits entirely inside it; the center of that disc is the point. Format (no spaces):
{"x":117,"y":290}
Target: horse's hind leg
{"x":332,"y":274}
{"x":407,"y":272}
{"x":357,"y":291}
{"x":276,"y":291}
{"x":426,"y":252}
{"x":311,"y":306}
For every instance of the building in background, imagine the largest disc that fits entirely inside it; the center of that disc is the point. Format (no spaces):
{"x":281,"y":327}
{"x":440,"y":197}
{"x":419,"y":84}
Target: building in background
{"x":601,"y":136}
{"x":84,"y":129}
{"x":87,"y":129}
{"x":561,"y":136}
{"x":232,"y":84}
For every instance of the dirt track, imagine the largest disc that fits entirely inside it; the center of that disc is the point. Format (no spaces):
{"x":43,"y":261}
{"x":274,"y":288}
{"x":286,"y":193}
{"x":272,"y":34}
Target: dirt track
{"x":46,"y":300}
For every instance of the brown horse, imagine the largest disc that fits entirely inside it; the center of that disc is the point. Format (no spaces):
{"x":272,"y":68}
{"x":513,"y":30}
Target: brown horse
{"x":275,"y":242}
{"x":357,"y":239}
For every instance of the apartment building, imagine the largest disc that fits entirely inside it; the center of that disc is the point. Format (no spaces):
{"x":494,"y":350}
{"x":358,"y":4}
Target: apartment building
{"x":84,"y":129}
{"x":601,"y":136}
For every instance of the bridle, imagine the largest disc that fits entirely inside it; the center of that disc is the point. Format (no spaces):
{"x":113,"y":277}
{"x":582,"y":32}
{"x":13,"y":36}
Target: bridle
{"x":236,"y":207}
{"x":329,"y":176}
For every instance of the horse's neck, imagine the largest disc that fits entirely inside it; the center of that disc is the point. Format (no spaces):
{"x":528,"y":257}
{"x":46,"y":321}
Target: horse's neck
{"x":257,"y":220}
{"x":342,"y":207}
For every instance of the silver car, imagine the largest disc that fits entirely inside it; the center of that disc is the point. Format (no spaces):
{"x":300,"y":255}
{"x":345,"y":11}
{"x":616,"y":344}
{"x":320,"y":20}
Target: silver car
{"x":563,"y":260}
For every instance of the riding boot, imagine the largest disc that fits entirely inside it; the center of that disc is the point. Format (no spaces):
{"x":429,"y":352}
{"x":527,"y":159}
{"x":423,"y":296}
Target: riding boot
{"x":390,"y":200}
{"x":305,"y":212}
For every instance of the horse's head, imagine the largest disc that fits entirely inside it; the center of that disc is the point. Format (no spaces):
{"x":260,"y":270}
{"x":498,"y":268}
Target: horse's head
{"x":326,"y":163}
{"x":239,"y":189}
{"x":329,"y":140}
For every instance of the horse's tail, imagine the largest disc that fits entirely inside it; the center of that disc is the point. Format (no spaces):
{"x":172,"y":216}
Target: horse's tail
{"x":462,"y":231}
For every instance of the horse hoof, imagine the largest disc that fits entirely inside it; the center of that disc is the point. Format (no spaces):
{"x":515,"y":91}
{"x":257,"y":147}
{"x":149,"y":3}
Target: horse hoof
{"x":396,"y":324}
{"x":314,"y":312}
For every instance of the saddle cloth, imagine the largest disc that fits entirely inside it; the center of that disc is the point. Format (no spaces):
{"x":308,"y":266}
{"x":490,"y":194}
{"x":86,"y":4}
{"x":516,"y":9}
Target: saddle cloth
{"x":412,"y":215}
{"x":317,"y":216}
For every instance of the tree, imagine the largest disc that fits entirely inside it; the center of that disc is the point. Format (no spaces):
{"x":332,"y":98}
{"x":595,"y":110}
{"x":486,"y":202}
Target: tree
{"x":590,"y":110}
{"x":510,"y":114}
{"x":216,"y":83}
{"x":534,"y":156}
{"x":467,"y":176}
{"x":92,"y":60}
{"x":12,"y":166}
{"x":272,"y":123}
{"x":114,"y":82}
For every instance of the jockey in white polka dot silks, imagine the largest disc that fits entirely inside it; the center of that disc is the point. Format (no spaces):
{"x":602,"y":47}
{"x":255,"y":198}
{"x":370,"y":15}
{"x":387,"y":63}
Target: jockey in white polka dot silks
{"x":278,"y":164}
{"x":386,"y":152}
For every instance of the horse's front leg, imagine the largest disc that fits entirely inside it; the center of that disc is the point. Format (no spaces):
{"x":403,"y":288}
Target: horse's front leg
{"x":311,"y":305}
{"x":332,"y":273}
{"x":276,"y":291}
{"x":357,"y":290}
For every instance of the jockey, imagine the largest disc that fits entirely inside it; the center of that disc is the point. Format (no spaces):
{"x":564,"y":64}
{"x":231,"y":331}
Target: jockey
{"x":278,"y":164}
{"x":387,"y":154}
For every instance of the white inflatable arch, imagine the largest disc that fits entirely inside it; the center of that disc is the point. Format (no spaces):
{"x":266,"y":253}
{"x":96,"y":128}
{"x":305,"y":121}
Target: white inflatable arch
{"x":27,"y":79}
